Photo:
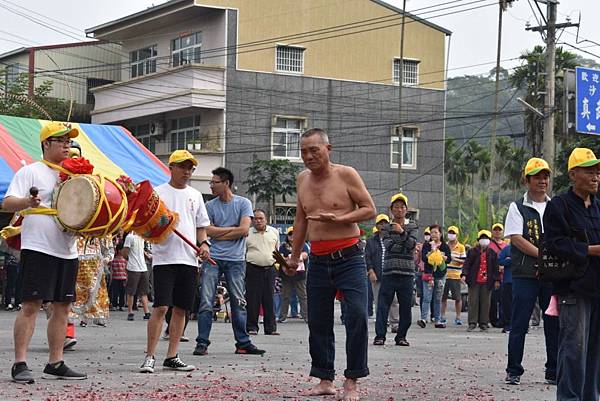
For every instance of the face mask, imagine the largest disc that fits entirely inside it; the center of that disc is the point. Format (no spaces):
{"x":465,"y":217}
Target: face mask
{"x":452,"y":237}
{"x":427,"y":238}
{"x":484,"y":242}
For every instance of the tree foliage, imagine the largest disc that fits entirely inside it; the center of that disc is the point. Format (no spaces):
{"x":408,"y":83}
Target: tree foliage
{"x":15,"y":100}
{"x":268,"y":179}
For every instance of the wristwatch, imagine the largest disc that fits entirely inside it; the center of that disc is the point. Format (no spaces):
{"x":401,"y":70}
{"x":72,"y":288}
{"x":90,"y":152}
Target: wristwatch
{"x":207,"y":242}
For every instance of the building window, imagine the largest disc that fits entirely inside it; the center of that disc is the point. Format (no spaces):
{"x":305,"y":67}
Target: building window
{"x":410,"y":71}
{"x":409,"y":148}
{"x":186,"y":49}
{"x":142,"y":134}
{"x":11,"y":74}
{"x":185,"y":133}
{"x":285,"y":140}
{"x":290,"y":59}
{"x":143,"y":61}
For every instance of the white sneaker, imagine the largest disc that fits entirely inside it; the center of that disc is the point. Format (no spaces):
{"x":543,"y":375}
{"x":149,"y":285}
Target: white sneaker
{"x":69,"y":343}
{"x":148,"y":365}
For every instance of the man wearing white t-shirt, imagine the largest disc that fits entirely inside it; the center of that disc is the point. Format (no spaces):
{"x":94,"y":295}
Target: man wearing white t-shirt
{"x":138,"y":279}
{"x":174,"y":263}
{"x":524,"y":225}
{"x":48,"y":256}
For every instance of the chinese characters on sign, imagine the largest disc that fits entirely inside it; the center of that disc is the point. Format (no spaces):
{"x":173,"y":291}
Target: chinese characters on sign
{"x":587,"y":92}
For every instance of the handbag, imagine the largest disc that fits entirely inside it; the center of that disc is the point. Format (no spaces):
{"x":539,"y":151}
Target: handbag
{"x":552,"y":268}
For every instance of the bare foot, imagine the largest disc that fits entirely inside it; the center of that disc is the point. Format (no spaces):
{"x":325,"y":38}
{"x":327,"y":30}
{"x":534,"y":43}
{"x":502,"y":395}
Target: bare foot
{"x":350,"y":391}
{"x":325,"y":387}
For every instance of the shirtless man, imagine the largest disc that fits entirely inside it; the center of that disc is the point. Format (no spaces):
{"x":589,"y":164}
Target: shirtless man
{"x":332,"y":199}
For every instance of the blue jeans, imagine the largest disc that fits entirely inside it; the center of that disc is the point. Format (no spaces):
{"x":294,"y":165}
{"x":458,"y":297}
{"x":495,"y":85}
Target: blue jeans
{"x":401,"y":286}
{"x":325,"y":277}
{"x":433,"y":294}
{"x":578,"y":370}
{"x":525,"y":291}
{"x":277,"y":303}
{"x":235,"y":274}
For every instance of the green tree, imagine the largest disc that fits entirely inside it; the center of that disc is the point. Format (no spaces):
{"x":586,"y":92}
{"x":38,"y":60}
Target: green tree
{"x":513,"y":171}
{"x":268,"y":179}
{"x":477,"y":163}
{"x":15,"y":100}
{"x":456,"y":174}
{"x":530,"y":78}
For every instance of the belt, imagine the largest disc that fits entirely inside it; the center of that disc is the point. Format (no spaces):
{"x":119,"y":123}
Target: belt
{"x":347,"y":252}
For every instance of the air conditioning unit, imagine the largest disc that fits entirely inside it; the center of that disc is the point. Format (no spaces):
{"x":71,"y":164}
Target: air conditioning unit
{"x":157,"y":128}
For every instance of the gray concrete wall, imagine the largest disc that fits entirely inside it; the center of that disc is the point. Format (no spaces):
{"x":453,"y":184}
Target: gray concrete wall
{"x":358,"y":118}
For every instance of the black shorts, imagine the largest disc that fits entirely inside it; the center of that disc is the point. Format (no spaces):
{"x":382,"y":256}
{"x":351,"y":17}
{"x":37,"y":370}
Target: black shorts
{"x":452,"y":286}
{"x":138,"y":283}
{"x":175,"y":285}
{"x":47,"y":277}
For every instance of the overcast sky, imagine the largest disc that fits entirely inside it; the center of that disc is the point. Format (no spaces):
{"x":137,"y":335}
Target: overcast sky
{"x":473,"y":39}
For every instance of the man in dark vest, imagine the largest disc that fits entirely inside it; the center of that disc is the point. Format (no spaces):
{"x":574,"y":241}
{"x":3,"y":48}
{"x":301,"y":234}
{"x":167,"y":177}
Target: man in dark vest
{"x":525,"y":228}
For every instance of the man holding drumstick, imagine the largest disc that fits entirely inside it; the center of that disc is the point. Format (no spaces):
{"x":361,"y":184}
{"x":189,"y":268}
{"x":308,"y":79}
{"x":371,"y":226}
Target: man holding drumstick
{"x":175,"y":263}
{"x":332,"y":199}
{"x":48,"y":256}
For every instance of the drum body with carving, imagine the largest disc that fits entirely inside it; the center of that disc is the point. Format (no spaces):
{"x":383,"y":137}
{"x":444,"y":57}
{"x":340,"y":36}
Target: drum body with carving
{"x":90,"y":205}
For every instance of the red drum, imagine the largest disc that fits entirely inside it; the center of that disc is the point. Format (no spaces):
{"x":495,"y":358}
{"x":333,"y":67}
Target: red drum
{"x":153,"y":221}
{"x":90,"y":205}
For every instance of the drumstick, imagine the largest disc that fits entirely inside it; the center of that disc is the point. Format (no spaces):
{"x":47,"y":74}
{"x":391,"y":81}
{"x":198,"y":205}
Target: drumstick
{"x":190,"y":243}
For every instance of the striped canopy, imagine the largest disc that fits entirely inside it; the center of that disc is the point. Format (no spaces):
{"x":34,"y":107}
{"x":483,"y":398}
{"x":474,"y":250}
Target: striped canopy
{"x":111,"y":149}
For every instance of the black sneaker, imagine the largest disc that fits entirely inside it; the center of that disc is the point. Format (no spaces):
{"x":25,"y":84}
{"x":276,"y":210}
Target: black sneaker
{"x":177,"y":364}
{"x":130,"y":316}
{"x":60,"y":371}
{"x":512,"y":379}
{"x":200,"y":349}
{"x":550,"y":378}
{"x":21,"y":373}
{"x":147,"y":316}
{"x":249,"y":350}
{"x":421,"y":323}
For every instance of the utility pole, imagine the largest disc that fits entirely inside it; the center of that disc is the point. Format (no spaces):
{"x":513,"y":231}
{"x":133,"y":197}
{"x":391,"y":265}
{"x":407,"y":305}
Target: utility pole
{"x":548,"y":138}
{"x":502,"y":7}
{"x":400,"y":81}
{"x":548,"y":146}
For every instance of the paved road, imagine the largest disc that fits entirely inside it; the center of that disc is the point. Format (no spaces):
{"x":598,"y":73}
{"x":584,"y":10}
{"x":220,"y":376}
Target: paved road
{"x":448,"y":364}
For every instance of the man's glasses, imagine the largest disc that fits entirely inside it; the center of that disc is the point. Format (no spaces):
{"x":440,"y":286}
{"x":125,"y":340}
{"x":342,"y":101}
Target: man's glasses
{"x":60,"y":141}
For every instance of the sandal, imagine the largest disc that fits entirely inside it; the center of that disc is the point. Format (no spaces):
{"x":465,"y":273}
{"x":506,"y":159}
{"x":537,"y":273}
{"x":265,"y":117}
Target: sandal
{"x":379,"y":341}
{"x":403,"y":343}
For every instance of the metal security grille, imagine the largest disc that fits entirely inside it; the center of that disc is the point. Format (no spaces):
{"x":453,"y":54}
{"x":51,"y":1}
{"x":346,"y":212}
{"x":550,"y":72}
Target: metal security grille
{"x":410,"y":72}
{"x":290,"y":59}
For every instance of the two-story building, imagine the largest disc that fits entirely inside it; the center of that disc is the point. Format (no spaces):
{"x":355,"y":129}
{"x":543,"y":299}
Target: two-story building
{"x":72,"y":68}
{"x":238,"y":80}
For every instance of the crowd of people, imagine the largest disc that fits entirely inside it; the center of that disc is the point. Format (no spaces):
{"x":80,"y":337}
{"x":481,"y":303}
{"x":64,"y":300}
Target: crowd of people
{"x":496,"y":278}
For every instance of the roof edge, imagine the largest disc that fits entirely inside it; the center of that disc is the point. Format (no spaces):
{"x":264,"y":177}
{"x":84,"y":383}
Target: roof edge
{"x":136,"y":15}
{"x":413,"y":16}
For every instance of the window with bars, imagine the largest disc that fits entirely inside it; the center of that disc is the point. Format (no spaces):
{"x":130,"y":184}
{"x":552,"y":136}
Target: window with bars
{"x":186,"y":49}
{"x":285,"y":138}
{"x":143,"y":61}
{"x":185,"y":133}
{"x":408,"y":150}
{"x":410,"y":72}
{"x":290,"y":59}
{"x":142,"y":134}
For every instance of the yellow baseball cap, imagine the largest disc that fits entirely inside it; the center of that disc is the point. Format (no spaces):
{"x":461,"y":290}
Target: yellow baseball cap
{"x":582,"y":157}
{"x":497,"y":225}
{"x":427,"y":231}
{"x":375,"y":230}
{"x":535,"y":165}
{"x":401,"y":197}
{"x":454,"y":229}
{"x":381,"y":217}
{"x":289,"y":230}
{"x":182,"y":155}
{"x":56,"y":128}
{"x":481,"y":233}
